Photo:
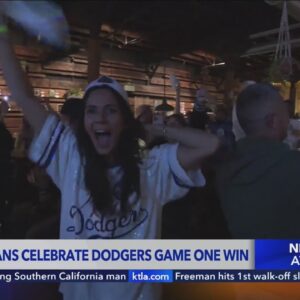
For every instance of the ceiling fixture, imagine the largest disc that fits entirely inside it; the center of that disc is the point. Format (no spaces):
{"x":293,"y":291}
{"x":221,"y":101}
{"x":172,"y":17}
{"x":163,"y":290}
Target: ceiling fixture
{"x":164,"y":107}
{"x":214,"y":64}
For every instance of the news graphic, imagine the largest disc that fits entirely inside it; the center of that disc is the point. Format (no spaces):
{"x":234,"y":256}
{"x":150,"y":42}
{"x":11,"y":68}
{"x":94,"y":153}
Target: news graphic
{"x":161,"y":261}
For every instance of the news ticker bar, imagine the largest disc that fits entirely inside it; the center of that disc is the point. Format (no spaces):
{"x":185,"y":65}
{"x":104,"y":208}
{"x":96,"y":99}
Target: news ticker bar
{"x":155,"y":276}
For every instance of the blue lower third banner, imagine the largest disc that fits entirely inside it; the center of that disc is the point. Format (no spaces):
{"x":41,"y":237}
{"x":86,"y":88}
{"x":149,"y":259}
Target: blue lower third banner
{"x":155,"y":276}
{"x":277,"y":254}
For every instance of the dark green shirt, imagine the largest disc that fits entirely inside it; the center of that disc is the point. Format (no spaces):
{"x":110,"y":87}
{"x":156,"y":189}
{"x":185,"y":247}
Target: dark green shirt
{"x":259,"y":189}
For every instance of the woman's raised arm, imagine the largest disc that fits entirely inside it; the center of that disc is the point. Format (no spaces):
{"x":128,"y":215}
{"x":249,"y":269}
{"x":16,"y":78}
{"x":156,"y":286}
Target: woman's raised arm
{"x":194,"y":144}
{"x":18,"y":83}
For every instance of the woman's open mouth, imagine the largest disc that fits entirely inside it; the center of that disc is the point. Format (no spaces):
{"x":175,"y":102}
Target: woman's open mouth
{"x":103,"y":138}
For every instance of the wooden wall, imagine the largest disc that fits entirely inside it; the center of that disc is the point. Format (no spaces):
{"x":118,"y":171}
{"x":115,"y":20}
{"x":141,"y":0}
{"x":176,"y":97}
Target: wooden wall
{"x":56,"y":78}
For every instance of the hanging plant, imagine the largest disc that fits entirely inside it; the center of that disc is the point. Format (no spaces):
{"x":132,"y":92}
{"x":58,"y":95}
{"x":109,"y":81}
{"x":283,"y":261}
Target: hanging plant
{"x":274,"y":73}
{"x":281,"y":68}
{"x":75,"y":92}
{"x":280,"y":71}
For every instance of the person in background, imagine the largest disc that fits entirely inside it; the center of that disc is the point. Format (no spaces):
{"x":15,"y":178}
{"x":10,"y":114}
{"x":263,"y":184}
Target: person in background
{"x":198,"y":214}
{"x":71,"y":112}
{"x":293,"y":133}
{"x":259,"y":184}
{"x":199,"y":117}
{"x":23,"y":140}
{"x":222,"y":127}
{"x":144,"y":114}
{"x":101,"y":174}
{"x":176,"y":120}
{"x":37,"y":198}
{"x":46,"y":212}
{"x":7,"y":171}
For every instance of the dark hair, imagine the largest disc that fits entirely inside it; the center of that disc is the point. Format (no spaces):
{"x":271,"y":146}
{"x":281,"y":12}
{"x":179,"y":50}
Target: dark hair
{"x":179,"y":118}
{"x":198,"y":119}
{"x":96,"y":166}
{"x":72,"y":108}
{"x":290,"y":108}
{"x":7,"y":142}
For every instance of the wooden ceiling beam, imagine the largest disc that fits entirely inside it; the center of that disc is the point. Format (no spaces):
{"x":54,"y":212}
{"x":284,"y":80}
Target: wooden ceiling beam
{"x":94,"y":52}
